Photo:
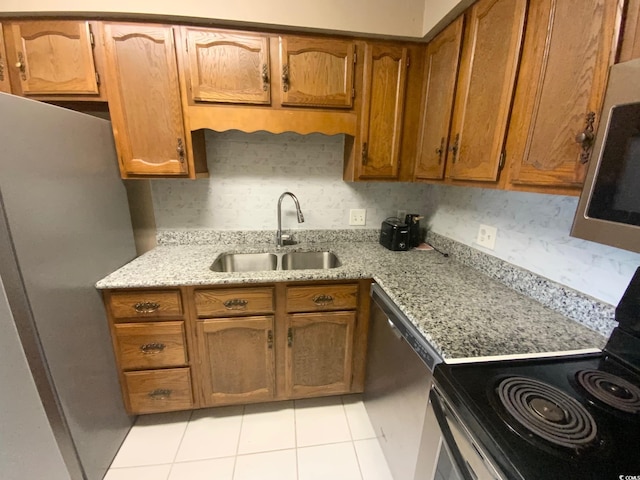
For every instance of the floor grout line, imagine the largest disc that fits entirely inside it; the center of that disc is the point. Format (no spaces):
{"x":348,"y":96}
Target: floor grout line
{"x":235,"y":458}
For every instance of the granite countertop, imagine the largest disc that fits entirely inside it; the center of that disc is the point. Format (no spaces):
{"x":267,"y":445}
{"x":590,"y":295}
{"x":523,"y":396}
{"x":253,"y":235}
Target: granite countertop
{"x":461,"y":312}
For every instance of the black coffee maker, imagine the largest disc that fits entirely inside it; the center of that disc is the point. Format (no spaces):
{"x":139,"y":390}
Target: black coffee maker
{"x":413,"y":222}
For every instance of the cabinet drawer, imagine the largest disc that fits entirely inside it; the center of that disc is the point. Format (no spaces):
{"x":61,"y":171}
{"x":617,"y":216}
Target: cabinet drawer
{"x":225,"y":302}
{"x":322,"y":298}
{"x":140,"y":305}
{"x":151,"y":345}
{"x":159,"y":390}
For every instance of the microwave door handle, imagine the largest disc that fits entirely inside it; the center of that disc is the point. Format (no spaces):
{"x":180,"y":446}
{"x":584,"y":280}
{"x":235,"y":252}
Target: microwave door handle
{"x":459,"y":463}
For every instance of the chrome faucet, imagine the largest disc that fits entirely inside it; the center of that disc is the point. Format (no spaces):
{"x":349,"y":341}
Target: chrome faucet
{"x":280,"y":238}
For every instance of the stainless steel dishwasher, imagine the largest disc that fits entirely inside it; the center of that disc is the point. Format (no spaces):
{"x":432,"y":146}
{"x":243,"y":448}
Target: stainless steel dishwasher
{"x":399,"y":378}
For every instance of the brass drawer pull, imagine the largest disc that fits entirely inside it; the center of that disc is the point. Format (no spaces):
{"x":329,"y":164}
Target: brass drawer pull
{"x":236,"y":304}
{"x":146,"y":307}
{"x":586,"y":137}
{"x":160,"y":394}
{"x":365,"y":153}
{"x":440,"y":151}
{"x":290,"y":337}
{"x":1,"y":69}
{"x":270,"y":339}
{"x":322,"y":299}
{"x":180,"y":150}
{"x":22,"y":66}
{"x":455,"y":148}
{"x":285,"y":78}
{"x":265,"y":77}
{"x":152,"y":348}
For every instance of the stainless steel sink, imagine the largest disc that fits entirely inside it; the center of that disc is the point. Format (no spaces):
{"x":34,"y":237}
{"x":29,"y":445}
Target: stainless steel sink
{"x":245,"y":262}
{"x":260,"y":262}
{"x":309,"y":260}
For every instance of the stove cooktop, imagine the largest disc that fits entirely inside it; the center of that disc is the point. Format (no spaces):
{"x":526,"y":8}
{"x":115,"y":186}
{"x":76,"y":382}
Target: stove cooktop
{"x":564,"y":417}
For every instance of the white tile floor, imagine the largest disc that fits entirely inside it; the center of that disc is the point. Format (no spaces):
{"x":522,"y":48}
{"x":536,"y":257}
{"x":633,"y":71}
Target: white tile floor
{"x":327,"y":438}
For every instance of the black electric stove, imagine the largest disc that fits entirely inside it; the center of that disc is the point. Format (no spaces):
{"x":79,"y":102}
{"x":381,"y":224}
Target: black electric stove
{"x":570,"y":417}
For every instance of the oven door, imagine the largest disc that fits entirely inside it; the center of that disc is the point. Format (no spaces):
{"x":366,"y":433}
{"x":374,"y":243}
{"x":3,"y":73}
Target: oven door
{"x":459,"y":456}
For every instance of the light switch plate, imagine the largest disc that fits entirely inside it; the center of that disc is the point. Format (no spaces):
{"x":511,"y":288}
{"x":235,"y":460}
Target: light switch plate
{"x":357,"y":216}
{"x":487,"y":236}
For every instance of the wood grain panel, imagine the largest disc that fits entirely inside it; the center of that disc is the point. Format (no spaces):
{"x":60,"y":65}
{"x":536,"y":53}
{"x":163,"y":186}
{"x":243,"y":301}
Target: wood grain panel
{"x":5,"y":83}
{"x":315,"y":298}
{"x":383,"y":110}
{"x":56,"y":57}
{"x":225,"y":302}
{"x":319,"y":71}
{"x":151,"y":345}
{"x":630,"y":47}
{"x":228,"y":67}
{"x":441,"y":70}
{"x":143,"y":304}
{"x":154,"y":391}
{"x":566,"y":55}
{"x":237,"y":359}
{"x":486,"y":81}
{"x":319,"y":356}
{"x":144,"y":99}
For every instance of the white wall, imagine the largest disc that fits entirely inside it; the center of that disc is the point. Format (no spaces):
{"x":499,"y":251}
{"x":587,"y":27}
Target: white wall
{"x":533,"y":233}
{"x":384,"y":17}
{"x":248,"y":172}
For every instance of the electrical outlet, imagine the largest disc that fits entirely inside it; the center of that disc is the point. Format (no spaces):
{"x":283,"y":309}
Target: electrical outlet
{"x":357,"y":216}
{"x":401,"y":214}
{"x":487,"y":236}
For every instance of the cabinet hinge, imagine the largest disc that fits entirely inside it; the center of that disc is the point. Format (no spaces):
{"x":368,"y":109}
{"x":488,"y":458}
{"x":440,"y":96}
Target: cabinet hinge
{"x":353,"y":93}
{"x":408,"y":61}
{"x":501,"y":163}
{"x":92,"y":40}
{"x":186,"y":44}
{"x":97,"y":78}
{"x":355,"y":57}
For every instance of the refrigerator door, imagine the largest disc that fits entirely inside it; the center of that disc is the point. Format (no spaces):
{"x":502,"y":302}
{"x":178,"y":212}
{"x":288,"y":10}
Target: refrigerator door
{"x":69,"y":223}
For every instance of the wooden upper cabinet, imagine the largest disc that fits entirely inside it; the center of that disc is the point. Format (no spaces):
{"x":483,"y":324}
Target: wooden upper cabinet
{"x":237,"y":359}
{"x":630,"y":45}
{"x":566,"y":55}
{"x":5,"y":84}
{"x":441,"y":70}
{"x":144,"y":99}
{"x":227,"y":67}
{"x":316,"y":72}
{"x":385,"y":79}
{"x":319,"y":355}
{"x":488,"y":68}
{"x":53,"y":57}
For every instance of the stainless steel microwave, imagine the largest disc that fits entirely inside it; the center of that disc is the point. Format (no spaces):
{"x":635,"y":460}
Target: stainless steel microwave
{"x":609,"y":207}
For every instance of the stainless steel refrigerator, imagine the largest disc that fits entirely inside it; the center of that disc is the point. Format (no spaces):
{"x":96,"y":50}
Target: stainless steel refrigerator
{"x":64,"y":224}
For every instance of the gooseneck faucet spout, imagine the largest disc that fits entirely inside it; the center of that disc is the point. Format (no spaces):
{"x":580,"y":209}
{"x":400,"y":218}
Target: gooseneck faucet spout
{"x":280,"y":238}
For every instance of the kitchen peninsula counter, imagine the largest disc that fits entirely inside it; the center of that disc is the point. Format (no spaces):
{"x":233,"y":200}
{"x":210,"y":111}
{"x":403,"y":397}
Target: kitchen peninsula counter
{"x":461,"y":312}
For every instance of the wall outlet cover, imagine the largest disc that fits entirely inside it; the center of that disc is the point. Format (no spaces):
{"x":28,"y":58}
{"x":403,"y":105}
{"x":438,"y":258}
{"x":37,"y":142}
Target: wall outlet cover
{"x":487,"y":236}
{"x":357,"y":216}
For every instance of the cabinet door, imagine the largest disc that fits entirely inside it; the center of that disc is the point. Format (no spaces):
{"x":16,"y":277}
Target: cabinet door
{"x":227,"y":67}
{"x":441,"y":71}
{"x":385,"y":71}
{"x":144,"y":99}
{"x":316,"y":72}
{"x":565,"y":60}
{"x":319,"y":356}
{"x":5,"y":85}
{"x":237,"y":360}
{"x":485,"y":88}
{"x":54,"y":57}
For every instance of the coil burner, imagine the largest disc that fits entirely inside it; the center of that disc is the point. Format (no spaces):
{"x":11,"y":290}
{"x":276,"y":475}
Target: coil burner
{"x":610,"y":389}
{"x":547,"y":412}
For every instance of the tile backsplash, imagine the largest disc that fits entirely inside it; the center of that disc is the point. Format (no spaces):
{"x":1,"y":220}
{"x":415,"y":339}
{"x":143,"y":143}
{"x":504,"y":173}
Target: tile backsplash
{"x":248,"y":172}
{"x":533,"y":233}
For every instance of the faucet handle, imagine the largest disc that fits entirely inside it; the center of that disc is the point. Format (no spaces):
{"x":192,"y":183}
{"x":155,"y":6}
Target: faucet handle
{"x":287,"y":239}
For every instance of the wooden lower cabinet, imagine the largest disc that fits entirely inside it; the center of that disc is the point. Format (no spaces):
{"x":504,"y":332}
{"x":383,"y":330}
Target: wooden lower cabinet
{"x":319,"y":354}
{"x":237,"y":359}
{"x":203,"y":346}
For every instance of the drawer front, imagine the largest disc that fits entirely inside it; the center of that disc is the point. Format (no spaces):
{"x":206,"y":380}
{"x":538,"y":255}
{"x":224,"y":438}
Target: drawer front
{"x":151,"y":345}
{"x":226,"y":302}
{"x":322,"y":298}
{"x":140,"y":305}
{"x":159,"y":390}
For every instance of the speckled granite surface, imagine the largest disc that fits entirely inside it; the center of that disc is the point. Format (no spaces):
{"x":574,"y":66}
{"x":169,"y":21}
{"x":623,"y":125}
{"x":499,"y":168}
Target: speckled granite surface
{"x":461,"y":312}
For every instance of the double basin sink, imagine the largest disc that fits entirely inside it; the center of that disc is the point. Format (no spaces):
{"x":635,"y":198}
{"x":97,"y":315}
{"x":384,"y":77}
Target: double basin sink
{"x":260,"y":262}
